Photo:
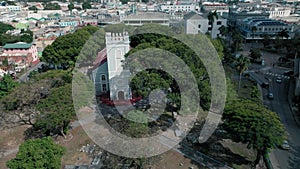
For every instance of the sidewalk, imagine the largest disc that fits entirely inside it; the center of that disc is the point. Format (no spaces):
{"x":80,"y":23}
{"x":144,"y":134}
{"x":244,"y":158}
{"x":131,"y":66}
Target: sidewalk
{"x":274,"y":160}
{"x":293,"y":108}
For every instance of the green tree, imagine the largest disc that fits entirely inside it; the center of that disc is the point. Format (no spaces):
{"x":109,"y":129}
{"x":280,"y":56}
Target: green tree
{"x":7,"y":84}
{"x":57,"y":111}
{"x":283,"y":34}
{"x":212,"y":16}
{"x":33,"y":8}
{"x":86,"y":5}
{"x":223,"y":31}
{"x":255,"y":54}
{"x":253,"y":30}
{"x":253,"y":124}
{"x":241,"y":64}
{"x":137,"y":124}
{"x":71,"y":7}
{"x":5,"y":27}
{"x":38,"y":153}
{"x":52,"y":6}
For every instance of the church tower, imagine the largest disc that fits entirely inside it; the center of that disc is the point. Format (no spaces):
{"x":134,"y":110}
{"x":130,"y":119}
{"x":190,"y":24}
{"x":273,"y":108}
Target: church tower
{"x":117,"y":45}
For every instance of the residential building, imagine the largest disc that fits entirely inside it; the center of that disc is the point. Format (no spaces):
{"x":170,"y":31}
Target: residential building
{"x":179,"y":7}
{"x":195,"y":23}
{"x":12,"y":8}
{"x":68,"y":23}
{"x":20,"y":53}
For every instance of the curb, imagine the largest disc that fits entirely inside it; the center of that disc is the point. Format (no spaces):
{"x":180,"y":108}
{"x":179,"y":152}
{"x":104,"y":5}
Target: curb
{"x":290,"y":95}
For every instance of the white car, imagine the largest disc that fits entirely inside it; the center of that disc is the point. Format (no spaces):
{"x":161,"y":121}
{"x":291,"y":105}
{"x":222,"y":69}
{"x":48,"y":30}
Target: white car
{"x":285,"y":145}
{"x":279,"y":79}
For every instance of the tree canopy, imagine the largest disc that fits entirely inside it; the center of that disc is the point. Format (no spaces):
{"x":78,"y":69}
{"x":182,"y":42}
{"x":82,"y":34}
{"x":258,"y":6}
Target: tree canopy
{"x":38,"y":153}
{"x":253,"y":124}
{"x":66,"y":49}
{"x":7,"y":84}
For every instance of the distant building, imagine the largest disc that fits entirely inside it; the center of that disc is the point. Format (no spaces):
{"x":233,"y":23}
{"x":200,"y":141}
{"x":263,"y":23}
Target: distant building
{"x":264,"y":26}
{"x":180,"y":7}
{"x":68,"y":23}
{"x":20,"y":53}
{"x":236,"y":15}
{"x":12,"y":8}
{"x":141,"y":18}
{"x":195,"y":23}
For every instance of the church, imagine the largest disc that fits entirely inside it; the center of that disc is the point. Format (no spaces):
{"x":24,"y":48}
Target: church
{"x":108,"y":74}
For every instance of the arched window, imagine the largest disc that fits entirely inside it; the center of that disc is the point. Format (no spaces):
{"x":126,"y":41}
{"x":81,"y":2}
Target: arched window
{"x":103,"y":78}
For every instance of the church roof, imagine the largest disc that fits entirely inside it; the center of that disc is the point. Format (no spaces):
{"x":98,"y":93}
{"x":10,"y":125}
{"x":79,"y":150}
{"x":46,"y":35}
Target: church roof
{"x":100,"y":59}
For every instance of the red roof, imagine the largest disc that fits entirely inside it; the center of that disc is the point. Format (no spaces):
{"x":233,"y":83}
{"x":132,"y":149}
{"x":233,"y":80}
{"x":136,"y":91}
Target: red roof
{"x":100,"y":59}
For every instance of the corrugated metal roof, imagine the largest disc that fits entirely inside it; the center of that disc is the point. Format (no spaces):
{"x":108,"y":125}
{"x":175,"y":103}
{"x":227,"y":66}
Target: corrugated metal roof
{"x":18,"y":45}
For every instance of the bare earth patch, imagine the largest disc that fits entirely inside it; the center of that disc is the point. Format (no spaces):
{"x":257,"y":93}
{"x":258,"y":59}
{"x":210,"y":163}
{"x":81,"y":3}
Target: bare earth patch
{"x":173,"y":159}
{"x":73,"y":156}
{"x":10,"y":140}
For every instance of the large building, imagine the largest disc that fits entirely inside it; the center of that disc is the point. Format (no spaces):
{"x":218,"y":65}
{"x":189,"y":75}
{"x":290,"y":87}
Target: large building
{"x":140,"y":18}
{"x":20,"y":54}
{"x":263,"y":26}
{"x":108,"y":73}
{"x":195,"y":23}
{"x":235,"y":15}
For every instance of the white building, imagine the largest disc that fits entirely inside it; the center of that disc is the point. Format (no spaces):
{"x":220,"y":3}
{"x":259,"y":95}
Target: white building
{"x":108,"y":73}
{"x":181,"y":7}
{"x":12,"y":8}
{"x":195,"y":23}
{"x":141,"y":18}
{"x":264,"y":26}
{"x":278,"y":12}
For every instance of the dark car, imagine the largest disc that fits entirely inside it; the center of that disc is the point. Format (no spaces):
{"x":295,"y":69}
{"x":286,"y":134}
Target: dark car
{"x":288,"y":73}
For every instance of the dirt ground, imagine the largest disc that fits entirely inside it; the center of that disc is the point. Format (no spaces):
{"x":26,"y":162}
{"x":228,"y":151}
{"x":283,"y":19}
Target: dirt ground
{"x":173,"y":159}
{"x":10,"y":140}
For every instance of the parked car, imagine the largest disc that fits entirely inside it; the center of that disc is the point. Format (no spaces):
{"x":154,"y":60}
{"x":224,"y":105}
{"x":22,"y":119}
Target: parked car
{"x":270,"y":95}
{"x":285,"y":145}
{"x":289,"y":73}
{"x":279,"y":79}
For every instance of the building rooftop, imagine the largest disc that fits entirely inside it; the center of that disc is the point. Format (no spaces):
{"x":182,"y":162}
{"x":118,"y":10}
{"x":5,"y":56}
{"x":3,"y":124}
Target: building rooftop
{"x":18,"y":45}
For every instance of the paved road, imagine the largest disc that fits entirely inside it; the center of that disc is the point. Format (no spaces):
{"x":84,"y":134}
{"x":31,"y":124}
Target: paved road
{"x":286,"y":159}
{"x":24,"y":77}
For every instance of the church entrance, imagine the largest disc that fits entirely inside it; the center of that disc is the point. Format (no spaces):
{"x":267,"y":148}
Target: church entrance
{"x":121,"y":95}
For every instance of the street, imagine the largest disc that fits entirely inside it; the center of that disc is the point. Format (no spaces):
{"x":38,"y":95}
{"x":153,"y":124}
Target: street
{"x":24,"y":77}
{"x":286,"y":159}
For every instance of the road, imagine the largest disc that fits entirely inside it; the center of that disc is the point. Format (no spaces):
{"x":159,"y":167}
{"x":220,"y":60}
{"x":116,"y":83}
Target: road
{"x":24,"y":77}
{"x":286,"y":159}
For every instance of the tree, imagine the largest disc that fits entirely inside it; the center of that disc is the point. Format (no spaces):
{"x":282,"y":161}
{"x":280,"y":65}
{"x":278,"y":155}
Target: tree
{"x":255,"y":54}
{"x":71,"y":7}
{"x":38,"y":153}
{"x":223,"y":31}
{"x":33,"y":8}
{"x":266,"y":40}
{"x":57,"y":111}
{"x":283,"y":34}
{"x":251,"y":123}
{"x":7,"y":84}
{"x":253,"y":30}
{"x":212,"y":16}
{"x":52,"y":6}
{"x":5,"y":27}
{"x":86,"y":5}
{"x":241,"y":64}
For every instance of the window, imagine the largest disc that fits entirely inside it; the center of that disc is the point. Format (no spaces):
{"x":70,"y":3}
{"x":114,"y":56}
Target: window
{"x":209,"y":28}
{"x":199,"y":26}
{"x":104,"y":88}
{"x":209,"y":22}
{"x":219,"y":22}
{"x":103,"y":78}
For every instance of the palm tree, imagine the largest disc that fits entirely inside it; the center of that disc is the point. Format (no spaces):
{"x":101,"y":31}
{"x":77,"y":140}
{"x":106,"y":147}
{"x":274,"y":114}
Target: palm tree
{"x":253,"y":30}
{"x":241,"y":63}
{"x":283,"y":34}
{"x":223,"y":31}
{"x":237,"y":40}
{"x":212,"y":16}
